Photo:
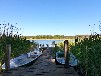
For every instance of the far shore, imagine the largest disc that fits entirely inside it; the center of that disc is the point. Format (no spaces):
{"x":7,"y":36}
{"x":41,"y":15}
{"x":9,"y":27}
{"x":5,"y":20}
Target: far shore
{"x":50,"y":39}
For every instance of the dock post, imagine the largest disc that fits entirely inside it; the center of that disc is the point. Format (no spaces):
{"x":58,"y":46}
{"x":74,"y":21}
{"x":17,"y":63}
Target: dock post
{"x":66,"y":54}
{"x":7,"y":57}
{"x":0,"y":67}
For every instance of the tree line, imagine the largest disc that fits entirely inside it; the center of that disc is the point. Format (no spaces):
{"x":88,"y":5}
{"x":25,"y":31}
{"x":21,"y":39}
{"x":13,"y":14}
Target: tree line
{"x":55,"y":37}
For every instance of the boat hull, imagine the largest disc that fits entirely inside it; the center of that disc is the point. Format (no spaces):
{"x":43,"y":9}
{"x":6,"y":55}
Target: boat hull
{"x":23,"y":60}
{"x":61,"y":60}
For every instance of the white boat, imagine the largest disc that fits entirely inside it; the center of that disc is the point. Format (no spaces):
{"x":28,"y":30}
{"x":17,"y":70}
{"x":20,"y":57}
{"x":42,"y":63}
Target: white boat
{"x":59,"y":59}
{"x":24,"y":59}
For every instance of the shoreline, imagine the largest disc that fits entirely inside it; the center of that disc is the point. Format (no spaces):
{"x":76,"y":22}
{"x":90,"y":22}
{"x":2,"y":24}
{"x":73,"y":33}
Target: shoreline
{"x":50,"y":39}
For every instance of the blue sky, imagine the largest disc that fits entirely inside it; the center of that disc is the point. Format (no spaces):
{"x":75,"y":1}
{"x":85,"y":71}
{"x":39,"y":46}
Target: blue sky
{"x":52,"y":17}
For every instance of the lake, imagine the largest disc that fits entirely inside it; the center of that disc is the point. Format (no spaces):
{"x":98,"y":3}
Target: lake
{"x":49,"y":42}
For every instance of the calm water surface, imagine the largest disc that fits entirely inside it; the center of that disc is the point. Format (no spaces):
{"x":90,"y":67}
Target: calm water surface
{"x":49,"y":42}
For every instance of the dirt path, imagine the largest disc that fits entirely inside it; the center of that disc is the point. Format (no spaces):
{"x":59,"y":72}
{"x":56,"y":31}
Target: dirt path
{"x":44,"y":66}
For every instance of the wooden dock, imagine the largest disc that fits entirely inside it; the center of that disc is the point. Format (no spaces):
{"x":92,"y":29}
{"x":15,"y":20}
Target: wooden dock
{"x":43,"y":66}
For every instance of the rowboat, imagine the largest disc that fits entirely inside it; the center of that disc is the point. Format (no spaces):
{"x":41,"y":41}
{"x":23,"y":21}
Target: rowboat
{"x":59,"y":59}
{"x":24,"y":59}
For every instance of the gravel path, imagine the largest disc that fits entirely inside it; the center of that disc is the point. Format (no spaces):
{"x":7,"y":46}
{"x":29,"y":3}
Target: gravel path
{"x":43,"y":66}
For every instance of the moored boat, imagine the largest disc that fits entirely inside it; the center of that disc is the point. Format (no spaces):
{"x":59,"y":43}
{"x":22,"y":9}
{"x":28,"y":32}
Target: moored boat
{"x":24,"y":59}
{"x":59,"y":59}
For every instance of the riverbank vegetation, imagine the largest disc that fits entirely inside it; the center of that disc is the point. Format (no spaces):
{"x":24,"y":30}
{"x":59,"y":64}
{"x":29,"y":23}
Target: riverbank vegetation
{"x":9,"y":34}
{"x":88,"y":52}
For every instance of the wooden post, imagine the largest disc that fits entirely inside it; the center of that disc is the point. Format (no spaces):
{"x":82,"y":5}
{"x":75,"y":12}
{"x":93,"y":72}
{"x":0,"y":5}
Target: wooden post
{"x":66,"y":54}
{"x":0,"y":66}
{"x":7,"y":57}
